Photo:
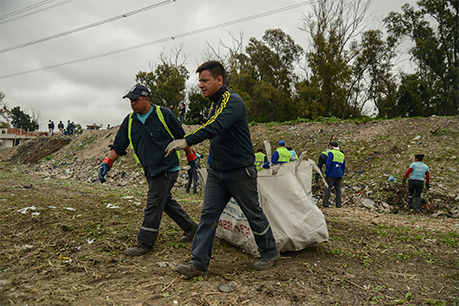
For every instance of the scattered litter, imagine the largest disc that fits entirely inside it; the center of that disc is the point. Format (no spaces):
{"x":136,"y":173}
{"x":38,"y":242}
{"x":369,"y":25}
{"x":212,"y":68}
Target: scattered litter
{"x":26,"y":246}
{"x":109,"y":205}
{"x":137,"y":203}
{"x":52,"y":207}
{"x":35,"y":214}
{"x":165,"y":264}
{"x":90,"y":240}
{"x":127,"y":197}
{"x":65,"y":259}
{"x":25,"y":209}
{"x":78,"y":248}
{"x":69,"y":208}
{"x":392,"y":179}
{"x":417,"y":137}
{"x":225,"y":288}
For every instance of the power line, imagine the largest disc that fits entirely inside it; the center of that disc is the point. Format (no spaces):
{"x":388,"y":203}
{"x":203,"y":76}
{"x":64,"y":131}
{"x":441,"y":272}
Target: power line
{"x":27,"y":8}
{"x":37,"y":11}
{"x":202,"y":30}
{"x":92,"y":25}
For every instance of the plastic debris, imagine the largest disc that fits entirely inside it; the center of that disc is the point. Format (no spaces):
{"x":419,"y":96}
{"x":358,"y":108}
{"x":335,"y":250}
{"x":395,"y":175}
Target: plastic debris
{"x":65,"y":259}
{"x":392,"y":179}
{"x":109,"y":205}
{"x":69,"y":208}
{"x":90,"y":240}
{"x":25,"y":209}
{"x":226,"y":288}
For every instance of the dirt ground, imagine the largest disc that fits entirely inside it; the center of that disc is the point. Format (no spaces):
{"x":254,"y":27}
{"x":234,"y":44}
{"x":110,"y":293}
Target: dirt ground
{"x":63,"y":235}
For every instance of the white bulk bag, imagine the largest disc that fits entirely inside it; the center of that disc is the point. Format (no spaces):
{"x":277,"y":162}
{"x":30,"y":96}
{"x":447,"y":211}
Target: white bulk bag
{"x":286,"y":200}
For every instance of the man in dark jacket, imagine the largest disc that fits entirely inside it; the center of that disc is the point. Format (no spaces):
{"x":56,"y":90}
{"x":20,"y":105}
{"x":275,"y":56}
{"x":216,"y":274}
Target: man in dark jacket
{"x":148,"y":130}
{"x":231,"y":172}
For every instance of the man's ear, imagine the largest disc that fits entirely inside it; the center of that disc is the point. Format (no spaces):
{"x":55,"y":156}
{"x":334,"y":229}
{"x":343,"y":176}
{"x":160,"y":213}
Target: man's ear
{"x":220,"y":80}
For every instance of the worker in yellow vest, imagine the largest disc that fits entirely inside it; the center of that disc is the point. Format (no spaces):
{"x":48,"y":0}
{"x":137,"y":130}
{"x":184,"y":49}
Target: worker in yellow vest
{"x":148,"y":130}
{"x":322,"y":161}
{"x":280,"y":156}
{"x":260,"y":159}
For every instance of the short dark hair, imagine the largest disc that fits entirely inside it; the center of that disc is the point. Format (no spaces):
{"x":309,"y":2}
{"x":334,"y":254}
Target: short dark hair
{"x":260,"y":149}
{"x":419,"y":157}
{"x":334,"y":144}
{"x":215,"y":68}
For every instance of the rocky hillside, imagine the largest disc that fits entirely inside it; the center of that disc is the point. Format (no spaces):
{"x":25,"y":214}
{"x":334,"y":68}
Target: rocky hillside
{"x":375,"y":151}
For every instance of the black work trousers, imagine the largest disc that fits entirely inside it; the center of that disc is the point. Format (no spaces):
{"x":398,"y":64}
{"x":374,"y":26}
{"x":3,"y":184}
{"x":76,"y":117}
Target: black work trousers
{"x":192,"y":179}
{"x":159,"y":200}
{"x":415,"y":189}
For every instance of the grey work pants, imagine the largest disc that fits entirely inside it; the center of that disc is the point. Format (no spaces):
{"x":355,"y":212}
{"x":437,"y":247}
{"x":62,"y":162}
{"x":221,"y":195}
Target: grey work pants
{"x":159,"y":199}
{"x":241,"y":184}
{"x":336,"y":182}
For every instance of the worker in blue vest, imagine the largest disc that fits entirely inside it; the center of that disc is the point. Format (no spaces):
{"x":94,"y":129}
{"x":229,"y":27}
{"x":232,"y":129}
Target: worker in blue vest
{"x":334,"y":171}
{"x":293,"y":153}
{"x":416,"y":172}
{"x":148,"y":130}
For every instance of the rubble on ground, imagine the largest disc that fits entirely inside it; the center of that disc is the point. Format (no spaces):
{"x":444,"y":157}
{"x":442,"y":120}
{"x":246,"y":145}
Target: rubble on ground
{"x":377,"y":155}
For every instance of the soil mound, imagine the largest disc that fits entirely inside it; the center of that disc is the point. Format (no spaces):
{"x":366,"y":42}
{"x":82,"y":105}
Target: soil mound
{"x":32,"y":151}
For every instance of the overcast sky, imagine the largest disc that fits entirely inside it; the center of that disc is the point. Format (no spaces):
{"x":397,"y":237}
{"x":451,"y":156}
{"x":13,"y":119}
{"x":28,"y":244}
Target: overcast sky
{"x":90,"y":91}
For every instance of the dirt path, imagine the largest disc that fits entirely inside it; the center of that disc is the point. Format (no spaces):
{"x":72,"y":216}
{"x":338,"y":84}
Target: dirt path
{"x":69,"y":251}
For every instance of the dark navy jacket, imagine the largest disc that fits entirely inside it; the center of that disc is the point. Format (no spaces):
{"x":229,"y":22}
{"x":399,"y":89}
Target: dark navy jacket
{"x":150,"y":141}
{"x":230,"y":144}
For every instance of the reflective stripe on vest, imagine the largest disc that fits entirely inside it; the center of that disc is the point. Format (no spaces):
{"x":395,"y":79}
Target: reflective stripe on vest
{"x":284,"y":155}
{"x":161,"y":118}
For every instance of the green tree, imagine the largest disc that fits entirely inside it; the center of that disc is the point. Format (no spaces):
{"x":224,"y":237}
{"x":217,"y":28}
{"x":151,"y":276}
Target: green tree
{"x":434,"y":30}
{"x":198,"y":108}
{"x":413,"y":97}
{"x":373,"y":67}
{"x":265,"y":76}
{"x":166,"y":82}
{"x":333,"y":26}
{"x":21,"y":120}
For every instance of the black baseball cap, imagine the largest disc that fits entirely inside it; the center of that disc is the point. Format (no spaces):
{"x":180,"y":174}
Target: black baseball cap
{"x":136,"y":91}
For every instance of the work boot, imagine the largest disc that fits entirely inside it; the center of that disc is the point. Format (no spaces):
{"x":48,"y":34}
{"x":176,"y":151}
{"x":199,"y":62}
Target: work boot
{"x":189,"y":234}
{"x":138,"y":250}
{"x":190,"y":270}
{"x":265,"y":263}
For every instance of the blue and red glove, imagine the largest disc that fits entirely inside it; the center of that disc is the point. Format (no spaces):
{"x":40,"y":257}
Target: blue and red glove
{"x":192,"y":160}
{"x":107,"y":164}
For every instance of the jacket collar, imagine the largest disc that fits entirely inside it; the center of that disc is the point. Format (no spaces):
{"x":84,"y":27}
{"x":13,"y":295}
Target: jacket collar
{"x":218,"y":94}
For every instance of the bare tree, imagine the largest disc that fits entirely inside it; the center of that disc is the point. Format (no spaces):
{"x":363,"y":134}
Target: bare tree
{"x":4,"y":111}
{"x":334,"y":26}
{"x":36,"y":116}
